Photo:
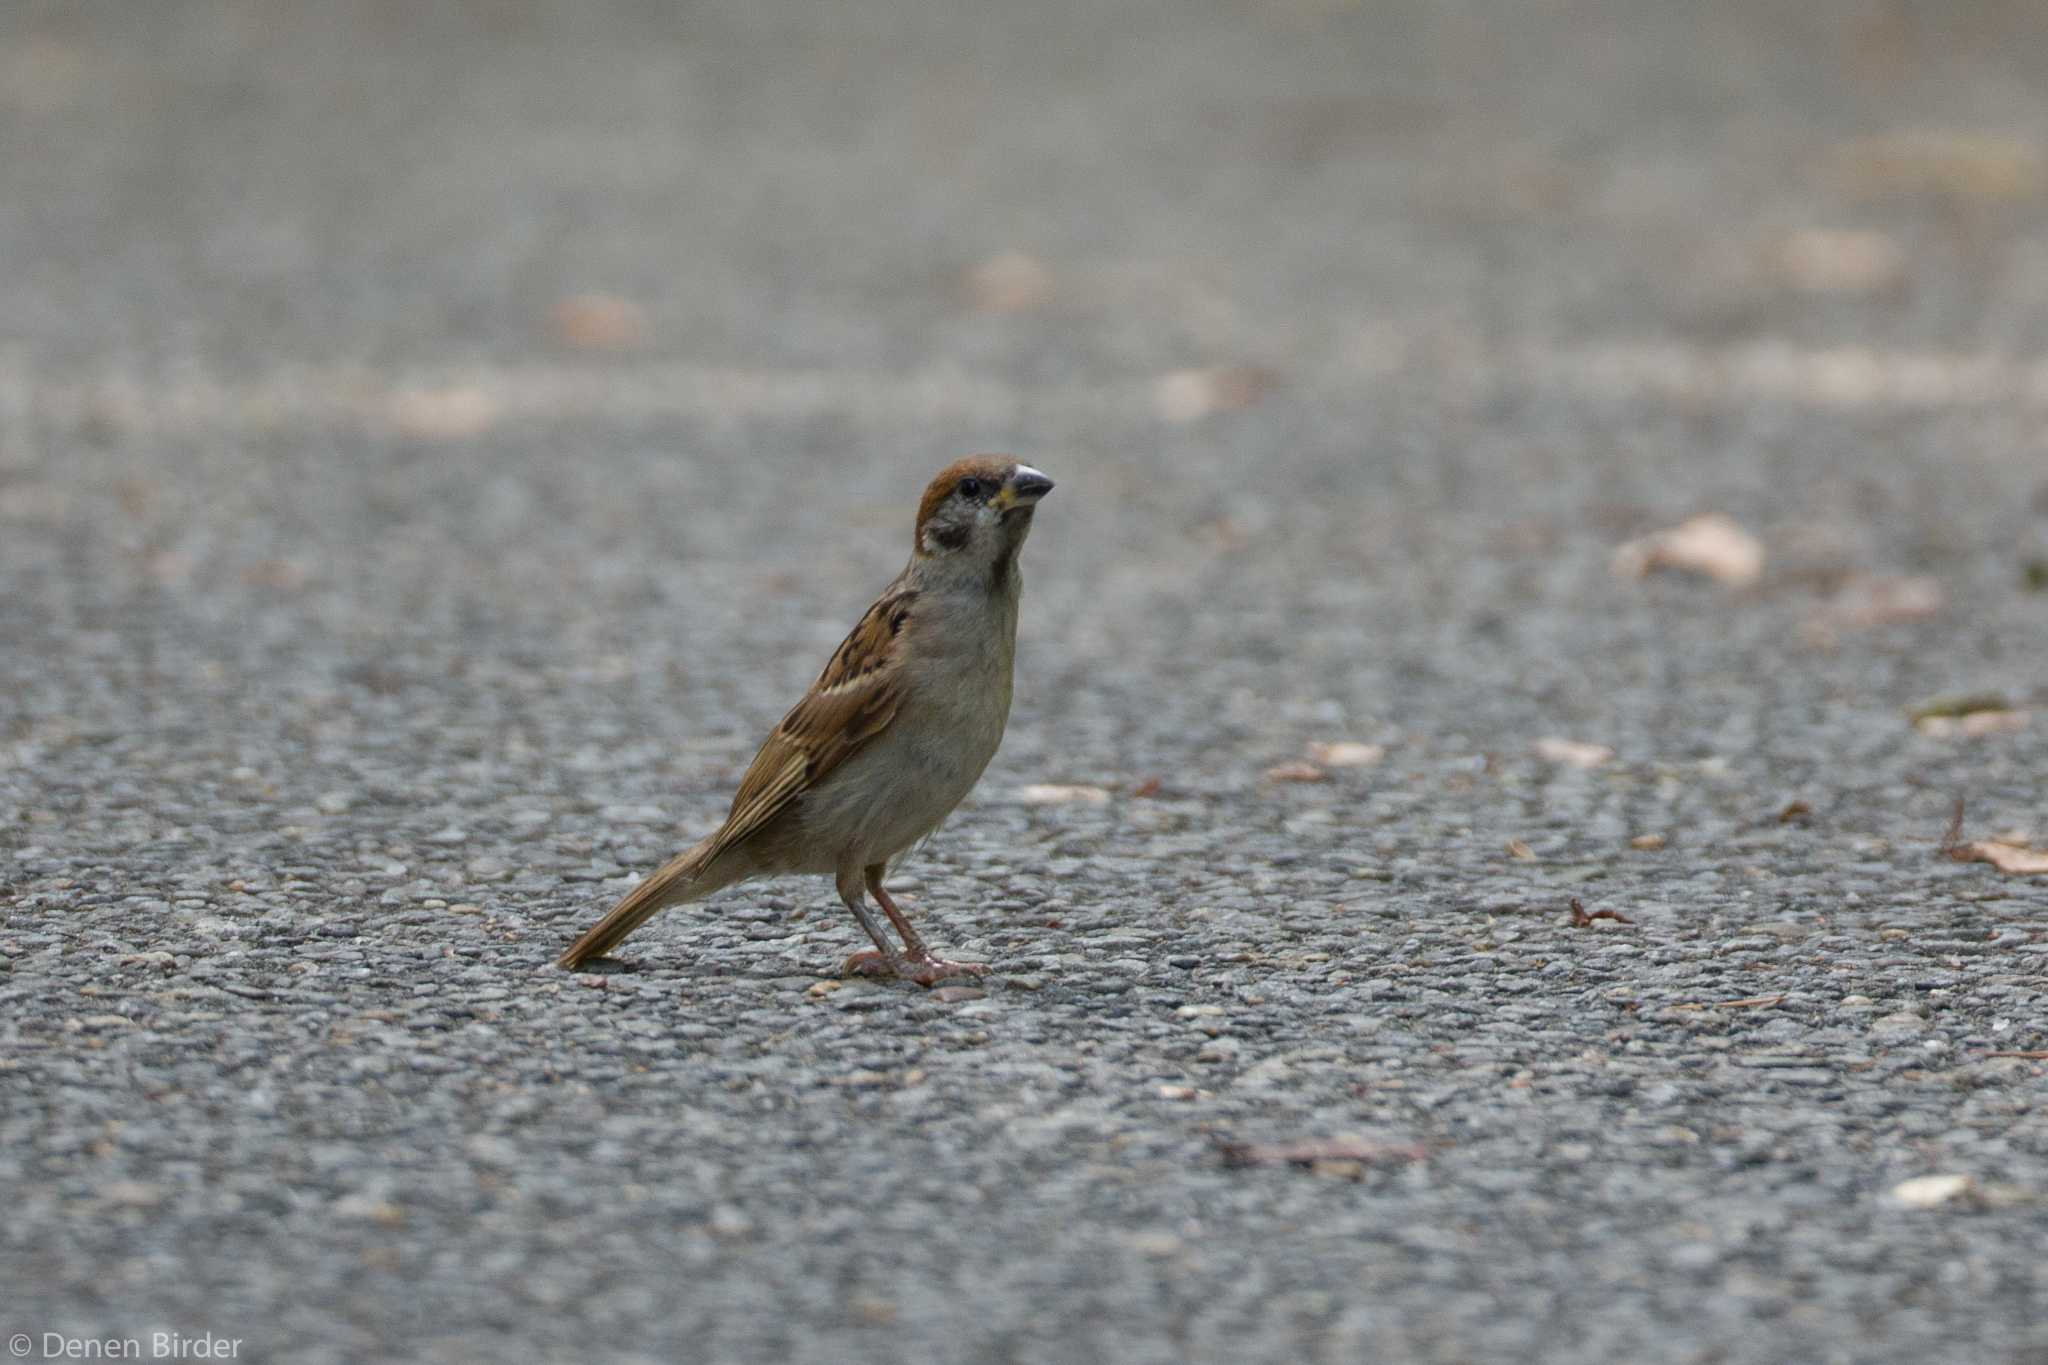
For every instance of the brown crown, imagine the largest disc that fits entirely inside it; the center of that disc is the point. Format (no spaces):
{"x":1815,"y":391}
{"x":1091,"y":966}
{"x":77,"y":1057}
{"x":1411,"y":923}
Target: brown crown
{"x":995,"y":468}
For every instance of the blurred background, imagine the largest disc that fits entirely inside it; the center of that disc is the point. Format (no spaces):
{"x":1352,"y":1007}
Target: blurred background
{"x":603,"y":348}
{"x":437,"y":440}
{"x":616,"y":333}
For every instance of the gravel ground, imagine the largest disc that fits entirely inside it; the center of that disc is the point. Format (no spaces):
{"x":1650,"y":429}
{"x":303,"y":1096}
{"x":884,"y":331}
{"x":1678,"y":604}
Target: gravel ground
{"x":435,"y":444}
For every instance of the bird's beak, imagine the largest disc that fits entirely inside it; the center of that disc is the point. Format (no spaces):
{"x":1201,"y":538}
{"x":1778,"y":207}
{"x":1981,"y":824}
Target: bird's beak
{"x":1025,"y":487}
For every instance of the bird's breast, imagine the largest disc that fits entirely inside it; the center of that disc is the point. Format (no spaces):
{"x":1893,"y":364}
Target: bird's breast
{"x":956,"y":701}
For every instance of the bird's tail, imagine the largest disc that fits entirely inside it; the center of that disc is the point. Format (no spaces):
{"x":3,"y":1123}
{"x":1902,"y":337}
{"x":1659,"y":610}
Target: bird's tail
{"x":685,"y":877}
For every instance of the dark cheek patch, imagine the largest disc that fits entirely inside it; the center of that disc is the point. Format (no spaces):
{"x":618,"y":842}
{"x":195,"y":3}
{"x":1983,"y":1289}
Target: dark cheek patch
{"x":949,"y":537}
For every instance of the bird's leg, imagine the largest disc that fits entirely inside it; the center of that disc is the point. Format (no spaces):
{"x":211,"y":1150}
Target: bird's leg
{"x":883,"y":960}
{"x":920,"y":956}
{"x":911,"y":941}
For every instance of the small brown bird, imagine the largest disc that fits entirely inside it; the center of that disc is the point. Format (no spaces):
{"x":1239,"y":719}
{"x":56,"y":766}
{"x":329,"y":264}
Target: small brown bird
{"x":891,"y":736}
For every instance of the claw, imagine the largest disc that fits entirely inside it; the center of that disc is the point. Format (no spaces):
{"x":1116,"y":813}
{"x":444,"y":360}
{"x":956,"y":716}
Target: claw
{"x":930,"y":971}
{"x":869,"y":963}
{"x":925,"y":971}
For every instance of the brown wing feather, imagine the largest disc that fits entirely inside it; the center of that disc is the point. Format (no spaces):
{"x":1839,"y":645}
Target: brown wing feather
{"x":852,"y":701}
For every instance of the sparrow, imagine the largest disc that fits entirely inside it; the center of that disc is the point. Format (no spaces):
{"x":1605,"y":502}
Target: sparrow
{"x":894,"y":732}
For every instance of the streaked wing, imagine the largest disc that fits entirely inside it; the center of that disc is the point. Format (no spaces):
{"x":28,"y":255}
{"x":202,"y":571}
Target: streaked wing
{"x":852,"y":701}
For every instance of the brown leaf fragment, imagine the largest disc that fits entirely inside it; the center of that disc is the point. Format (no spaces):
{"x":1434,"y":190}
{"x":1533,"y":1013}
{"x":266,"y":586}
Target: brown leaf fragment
{"x":1190,"y":395}
{"x":1648,"y":843}
{"x":2033,"y":1054}
{"x":285,"y":575}
{"x":1313,"y":1152}
{"x":1882,"y":599}
{"x":1794,"y":810}
{"x":452,"y":413}
{"x":1295,"y":772}
{"x":1980,"y":723}
{"x":598,"y":322}
{"x":2013,"y":859}
{"x":1149,"y":787}
{"x":1521,"y":851}
{"x":1974,"y":725}
{"x":1222,"y":533}
{"x":1345,"y":753}
{"x":1711,"y":545}
{"x":1581,"y":919}
{"x":1931,"y":1191}
{"x":1838,"y":261}
{"x":1573,"y":753}
{"x":1952,"y":164}
{"x":1754,"y":1002}
{"x":1011,"y":282}
{"x":1957,"y":705}
{"x":171,"y":567}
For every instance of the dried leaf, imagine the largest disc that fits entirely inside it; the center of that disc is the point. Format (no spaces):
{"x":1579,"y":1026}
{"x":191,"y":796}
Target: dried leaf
{"x":1223,"y":533}
{"x":1295,"y":772}
{"x":1794,"y":810}
{"x":2011,"y":856}
{"x":1960,"y":165}
{"x":1582,"y":920}
{"x":1838,"y":261}
{"x":1573,"y":753}
{"x":368,"y":1209}
{"x":1959,"y":704}
{"x":1012,"y":282}
{"x":172,"y":567}
{"x":1190,"y":395}
{"x":285,"y":575}
{"x":448,"y":414}
{"x":599,"y":322}
{"x":2013,"y":859}
{"x":1149,"y":787}
{"x":2030,"y":1054}
{"x":1709,"y":544}
{"x":1311,"y":1152}
{"x":1754,"y":1002}
{"x":1060,"y":794}
{"x":1882,"y":599}
{"x":1931,"y":1191}
{"x":1648,"y":843}
{"x":1974,"y":725}
{"x":1345,"y":753}
{"x":1521,"y":851}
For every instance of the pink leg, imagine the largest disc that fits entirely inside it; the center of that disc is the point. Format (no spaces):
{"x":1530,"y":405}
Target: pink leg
{"x":917,"y":964}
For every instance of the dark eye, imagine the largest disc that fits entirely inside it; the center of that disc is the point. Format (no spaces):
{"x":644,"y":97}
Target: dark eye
{"x":970,"y":488}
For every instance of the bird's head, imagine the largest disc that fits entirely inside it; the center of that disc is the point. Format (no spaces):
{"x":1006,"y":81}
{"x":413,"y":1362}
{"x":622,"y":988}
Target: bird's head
{"x":978,"y":511}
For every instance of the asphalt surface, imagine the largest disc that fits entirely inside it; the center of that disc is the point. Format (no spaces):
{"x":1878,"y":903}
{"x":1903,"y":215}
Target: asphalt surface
{"x":435,"y":443}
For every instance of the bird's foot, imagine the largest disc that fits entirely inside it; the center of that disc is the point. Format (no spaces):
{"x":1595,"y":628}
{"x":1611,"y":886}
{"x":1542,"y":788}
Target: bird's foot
{"x":925,"y":970}
{"x":930,"y":971}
